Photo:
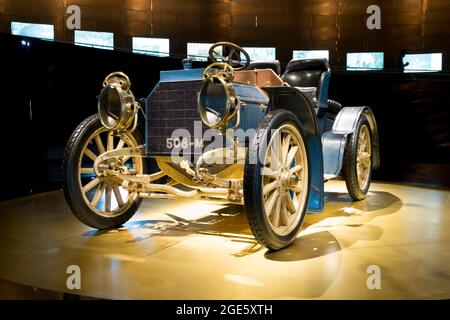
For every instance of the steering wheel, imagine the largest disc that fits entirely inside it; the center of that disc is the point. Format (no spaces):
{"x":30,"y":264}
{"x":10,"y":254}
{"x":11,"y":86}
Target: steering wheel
{"x":230,"y":53}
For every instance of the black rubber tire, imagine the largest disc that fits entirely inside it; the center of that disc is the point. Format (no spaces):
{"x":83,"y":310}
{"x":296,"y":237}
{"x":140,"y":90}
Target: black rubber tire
{"x":333,"y":109}
{"x":72,"y":191}
{"x":349,"y":171}
{"x":253,"y":196}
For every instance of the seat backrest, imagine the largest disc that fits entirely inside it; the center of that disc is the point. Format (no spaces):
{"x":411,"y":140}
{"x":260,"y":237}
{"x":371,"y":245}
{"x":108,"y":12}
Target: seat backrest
{"x":308,"y":74}
{"x":270,"y":64}
{"x":305,"y":72}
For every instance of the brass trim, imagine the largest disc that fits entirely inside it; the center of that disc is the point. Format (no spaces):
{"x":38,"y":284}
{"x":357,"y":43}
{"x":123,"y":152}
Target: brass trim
{"x":129,"y":106}
{"x":231,"y":106}
{"x":220,"y":69}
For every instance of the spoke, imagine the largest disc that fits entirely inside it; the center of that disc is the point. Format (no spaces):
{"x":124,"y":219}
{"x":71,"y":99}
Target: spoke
{"x":274,"y":163}
{"x":108,"y":199}
{"x":269,"y":172}
{"x":118,"y":195}
{"x":276,"y":214}
{"x":129,"y":143}
{"x":131,"y":195}
{"x":290,"y":203}
{"x":269,"y":187}
{"x":230,"y":55}
{"x":275,"y":150}
{"x":86,"y":170}
{"x":125,"y":159}
{"x":271,"y":202}
{"x":98,"y":195}
{"x":127,"y":140}
{"x":218,"y":55}
{"x":90,"y":154}
{"x":91,"y":185}
{"x":296,"y":169}
{"x":285,"y":146}
{"x":283,"y":213}
{"x":99,"y":143}
{"x":110,"y":141}
{"x":297,"y":188}
{"x":276,"y":147}
{"x":291,"y":155}
{"x":120,"y":144}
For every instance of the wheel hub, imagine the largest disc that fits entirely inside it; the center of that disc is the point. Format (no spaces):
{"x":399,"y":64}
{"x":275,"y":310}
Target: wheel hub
{"x":285,"y":180}
{"x":293,"y":181}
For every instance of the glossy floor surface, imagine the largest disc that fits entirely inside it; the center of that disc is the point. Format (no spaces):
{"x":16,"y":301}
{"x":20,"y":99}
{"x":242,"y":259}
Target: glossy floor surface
{"x":200,"y":250}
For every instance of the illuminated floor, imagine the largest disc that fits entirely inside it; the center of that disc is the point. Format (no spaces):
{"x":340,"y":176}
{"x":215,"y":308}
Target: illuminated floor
{"x":199,"y":250}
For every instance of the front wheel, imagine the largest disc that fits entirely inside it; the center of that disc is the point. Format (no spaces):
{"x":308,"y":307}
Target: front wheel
{"x":99,"y":202}
{"x":276,"y":180}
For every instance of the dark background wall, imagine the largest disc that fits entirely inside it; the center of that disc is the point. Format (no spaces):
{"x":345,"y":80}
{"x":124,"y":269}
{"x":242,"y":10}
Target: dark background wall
{"x":335,"y":25}
{"x":48,"y":88}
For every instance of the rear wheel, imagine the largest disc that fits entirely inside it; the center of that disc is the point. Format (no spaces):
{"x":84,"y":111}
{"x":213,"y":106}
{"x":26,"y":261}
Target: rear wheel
{"x":99,"y":202}
{"x":358,"y":160}
{"x":333,"y":109}
{"x":276,"y":180}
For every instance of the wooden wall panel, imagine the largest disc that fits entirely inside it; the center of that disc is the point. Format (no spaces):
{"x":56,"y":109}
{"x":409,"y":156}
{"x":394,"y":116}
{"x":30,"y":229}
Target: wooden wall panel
{"x":336,"y":25}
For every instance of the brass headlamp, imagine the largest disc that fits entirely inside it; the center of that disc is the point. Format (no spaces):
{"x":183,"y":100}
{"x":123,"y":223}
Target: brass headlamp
{"x":117,"y":106}
{"x":217,"y":100}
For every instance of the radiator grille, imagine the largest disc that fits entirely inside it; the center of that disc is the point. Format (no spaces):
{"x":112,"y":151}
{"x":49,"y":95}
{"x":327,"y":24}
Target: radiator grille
{"x":172,"y":105}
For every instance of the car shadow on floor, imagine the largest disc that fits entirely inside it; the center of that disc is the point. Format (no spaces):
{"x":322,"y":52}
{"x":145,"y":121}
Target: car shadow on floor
{"x":343,"y":219}
{"x":341,"y":216}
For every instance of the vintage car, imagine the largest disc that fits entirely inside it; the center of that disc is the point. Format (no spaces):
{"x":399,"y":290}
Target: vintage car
{"x":237,"y":131}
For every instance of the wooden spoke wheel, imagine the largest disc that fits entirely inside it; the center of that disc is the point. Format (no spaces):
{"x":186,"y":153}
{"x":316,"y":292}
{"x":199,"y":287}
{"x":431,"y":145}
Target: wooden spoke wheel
{"x":363,"y":157}
{"x":357,"y":169}
{"x":276,"y":187}
{"x":100,"y":202}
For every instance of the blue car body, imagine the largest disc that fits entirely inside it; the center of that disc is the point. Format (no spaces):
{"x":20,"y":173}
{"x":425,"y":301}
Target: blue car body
{"x":326,"y":141}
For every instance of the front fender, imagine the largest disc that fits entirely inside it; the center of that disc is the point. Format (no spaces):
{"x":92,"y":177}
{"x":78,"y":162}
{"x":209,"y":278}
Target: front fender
{"x":293,"y":100}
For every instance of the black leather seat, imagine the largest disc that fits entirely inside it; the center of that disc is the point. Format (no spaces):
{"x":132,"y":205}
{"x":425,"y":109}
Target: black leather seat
{"x":310,"y":76}
{"x":305,"y":72}
{"x":271,"y":64}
